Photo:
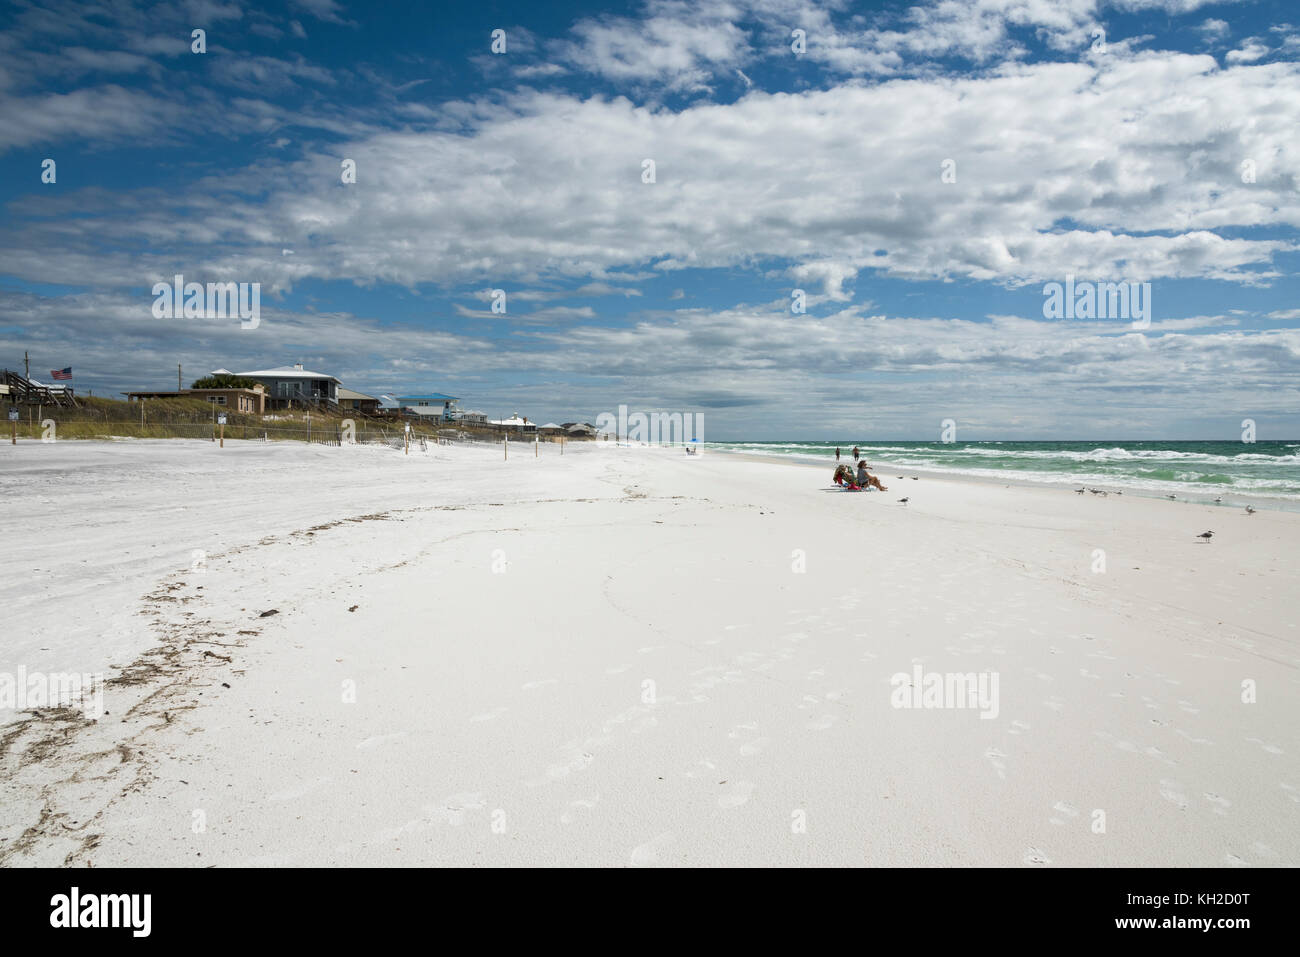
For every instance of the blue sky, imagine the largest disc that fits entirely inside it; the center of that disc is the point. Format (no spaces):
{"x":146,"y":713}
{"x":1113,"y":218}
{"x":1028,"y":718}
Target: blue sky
{"x":1152,"y":141}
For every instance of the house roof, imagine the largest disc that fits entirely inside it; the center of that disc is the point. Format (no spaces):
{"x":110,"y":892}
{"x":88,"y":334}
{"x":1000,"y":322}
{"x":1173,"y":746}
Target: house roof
{"x":430,"y":397}
{"x":352,"y":394}
{"x":286,"y":372}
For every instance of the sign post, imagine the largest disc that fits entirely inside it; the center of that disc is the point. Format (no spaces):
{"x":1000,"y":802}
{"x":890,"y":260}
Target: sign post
{"x":408,"y":438}
{"x":13,"y":423}
{"x":221,"y":421}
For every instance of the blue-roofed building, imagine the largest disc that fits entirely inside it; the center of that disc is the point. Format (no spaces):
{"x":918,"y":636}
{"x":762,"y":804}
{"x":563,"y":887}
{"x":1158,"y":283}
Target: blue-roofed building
{"x":433,"y":405}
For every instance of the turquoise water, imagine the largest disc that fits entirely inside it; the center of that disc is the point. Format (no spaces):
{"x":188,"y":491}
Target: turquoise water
{"x":1195,"y":470}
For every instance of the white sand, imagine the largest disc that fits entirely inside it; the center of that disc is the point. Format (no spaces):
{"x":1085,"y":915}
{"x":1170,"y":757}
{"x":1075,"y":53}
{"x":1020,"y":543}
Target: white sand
{"x":509,"y":618}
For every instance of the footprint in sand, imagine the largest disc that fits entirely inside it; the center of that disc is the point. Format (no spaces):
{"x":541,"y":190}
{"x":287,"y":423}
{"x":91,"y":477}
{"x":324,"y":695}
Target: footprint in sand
{"x":1034,"y":856}
{"x":1221,"y":804}
{"x":1056,"y":704}
{"x":379,"y":740}
{"x":1270,"y":748}
{"x":489,"y":715}
{"x":538,"y":684}
{"x":1169,"y":790}
{"x":738,"y":793}
{"x":581,"y":804}
{"x":1017,"y":727}
{"x":751,"y":748}
{"x":649,"y":853}
{"x":452,"y":810}
{"x":699,"y":768}
{"x":579,"y":762}
{"x":822,"y":723}
{"x":1067,"y":809}
{"x":1188,"y":707}
{"x":995,"y":758}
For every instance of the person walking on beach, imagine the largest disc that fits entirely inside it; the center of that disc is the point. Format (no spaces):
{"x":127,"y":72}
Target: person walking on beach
{"x":837,"y":453}
{"x":855,"y":453}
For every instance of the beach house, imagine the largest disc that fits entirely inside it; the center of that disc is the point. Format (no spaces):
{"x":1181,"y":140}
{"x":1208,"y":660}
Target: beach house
{"x":353,"y":401}
{"x":288,"y":385}
{"x":250,"y":401}
{"x":433,"y":405}
{"x":515,"y":423}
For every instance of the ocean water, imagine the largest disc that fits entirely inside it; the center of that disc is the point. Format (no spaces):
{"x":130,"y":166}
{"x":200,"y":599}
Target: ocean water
{"x":1199,"y":471}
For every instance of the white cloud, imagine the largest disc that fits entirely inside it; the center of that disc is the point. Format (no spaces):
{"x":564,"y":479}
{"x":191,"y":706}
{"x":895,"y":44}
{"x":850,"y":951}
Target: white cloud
{"x":1141,"y":152}
{"x":1251,"y":51}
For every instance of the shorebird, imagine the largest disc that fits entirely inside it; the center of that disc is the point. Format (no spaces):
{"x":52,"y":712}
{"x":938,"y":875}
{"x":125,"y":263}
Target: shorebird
{"x":1097,"y":491}
{"x":916,"y":478}
{"x":1206,"y":536}
{"x":903,"y":500}
{"x":1171,"y":496}
{"x":1249,"y":510}
{"x":1218,"y":501}
{"x":1080,"y":491}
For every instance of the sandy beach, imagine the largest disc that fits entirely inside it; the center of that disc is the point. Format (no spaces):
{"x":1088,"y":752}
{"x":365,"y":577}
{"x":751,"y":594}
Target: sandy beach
{"x":625,"y":656}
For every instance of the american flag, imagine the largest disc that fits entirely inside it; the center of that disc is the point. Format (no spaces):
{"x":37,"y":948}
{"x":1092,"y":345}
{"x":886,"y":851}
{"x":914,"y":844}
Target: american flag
{"x":61,"y":373}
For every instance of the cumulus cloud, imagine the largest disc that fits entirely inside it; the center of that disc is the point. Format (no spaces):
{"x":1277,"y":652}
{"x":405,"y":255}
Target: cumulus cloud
{"x":828,"y":182}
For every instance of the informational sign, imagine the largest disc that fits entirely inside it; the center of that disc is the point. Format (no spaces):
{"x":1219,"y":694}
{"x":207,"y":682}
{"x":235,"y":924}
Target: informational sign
{"x":13,"y":415}
{"x":408,"y":426}
{"x":221,"y":418}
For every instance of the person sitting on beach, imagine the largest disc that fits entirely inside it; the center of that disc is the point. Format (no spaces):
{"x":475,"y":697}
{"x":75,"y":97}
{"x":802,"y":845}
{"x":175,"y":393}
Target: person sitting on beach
{"x":844,"y":475}
{"x":865,"y":478}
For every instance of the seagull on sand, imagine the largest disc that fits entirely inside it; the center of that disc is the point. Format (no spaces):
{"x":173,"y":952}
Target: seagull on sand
{"x":1206,"y":536}
{"x":1218,"y":501}
{"x":1080,"y":491}
{"x":1249,"y":510}
{"x":1171,"y":497}
{"x":903,"y":500}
